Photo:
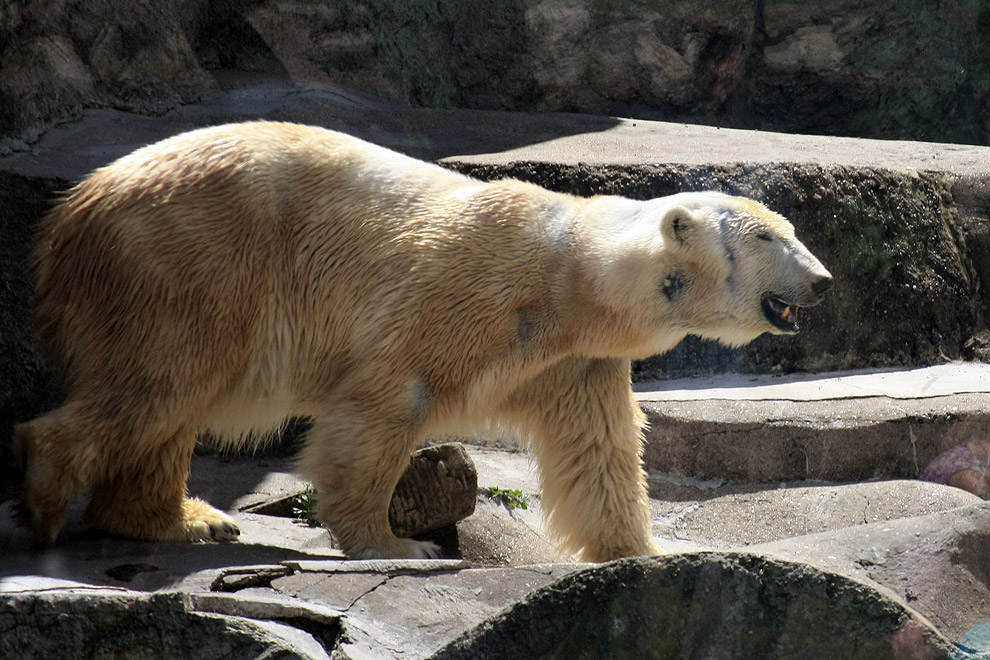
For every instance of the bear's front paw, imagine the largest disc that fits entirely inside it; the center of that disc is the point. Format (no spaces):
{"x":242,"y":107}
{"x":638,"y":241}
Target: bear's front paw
{"x":398,"y":548}
{"x":201,"y":522}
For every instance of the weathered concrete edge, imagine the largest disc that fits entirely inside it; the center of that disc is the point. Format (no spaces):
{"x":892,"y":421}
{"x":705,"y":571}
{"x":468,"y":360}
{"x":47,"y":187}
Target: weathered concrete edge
{"x":771,"y":441}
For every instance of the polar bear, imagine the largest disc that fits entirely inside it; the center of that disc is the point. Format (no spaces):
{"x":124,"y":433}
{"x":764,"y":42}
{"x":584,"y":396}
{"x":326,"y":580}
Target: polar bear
{"x":231,"y":277}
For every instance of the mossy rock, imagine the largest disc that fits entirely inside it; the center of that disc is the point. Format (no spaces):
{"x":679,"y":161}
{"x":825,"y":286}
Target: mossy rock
{"x":905,"y":291}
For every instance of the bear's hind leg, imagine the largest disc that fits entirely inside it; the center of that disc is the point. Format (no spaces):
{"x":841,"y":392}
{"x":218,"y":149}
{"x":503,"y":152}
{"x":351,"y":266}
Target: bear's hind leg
{"x":59,"y":451}
{"x":355,"y":468}
{"x":587,"y":438}
{"x":143,"y":496}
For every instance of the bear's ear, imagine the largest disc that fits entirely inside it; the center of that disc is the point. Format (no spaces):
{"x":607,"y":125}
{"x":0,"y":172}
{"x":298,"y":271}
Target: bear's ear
{"x":676,"y":225}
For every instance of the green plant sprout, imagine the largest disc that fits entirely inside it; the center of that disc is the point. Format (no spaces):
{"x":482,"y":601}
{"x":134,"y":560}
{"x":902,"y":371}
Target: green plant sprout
{"x":512,"y":498}
{"x":304,"y":505}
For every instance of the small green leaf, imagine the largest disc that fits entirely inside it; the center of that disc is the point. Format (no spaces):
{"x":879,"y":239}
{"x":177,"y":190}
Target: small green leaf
{"x":512,"y":498}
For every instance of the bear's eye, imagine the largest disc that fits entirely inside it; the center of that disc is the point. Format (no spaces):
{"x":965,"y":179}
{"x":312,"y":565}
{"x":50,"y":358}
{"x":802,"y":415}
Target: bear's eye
{"x":764,"y":235}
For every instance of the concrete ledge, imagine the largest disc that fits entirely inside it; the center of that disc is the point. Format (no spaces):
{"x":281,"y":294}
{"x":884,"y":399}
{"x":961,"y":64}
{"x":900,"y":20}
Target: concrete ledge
{"x":835,"y":427}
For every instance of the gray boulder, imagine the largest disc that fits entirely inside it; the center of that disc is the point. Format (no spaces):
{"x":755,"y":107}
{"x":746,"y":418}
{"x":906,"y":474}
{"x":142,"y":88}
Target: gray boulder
{"x":711,"y":606}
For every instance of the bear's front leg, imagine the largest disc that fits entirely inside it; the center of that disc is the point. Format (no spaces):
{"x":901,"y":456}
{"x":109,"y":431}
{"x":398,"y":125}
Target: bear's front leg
{"x":355,"y":459}
{"x":587,"y":437}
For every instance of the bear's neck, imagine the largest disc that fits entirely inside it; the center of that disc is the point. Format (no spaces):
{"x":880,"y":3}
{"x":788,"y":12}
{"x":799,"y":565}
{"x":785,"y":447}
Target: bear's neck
{"x":615,"y":299}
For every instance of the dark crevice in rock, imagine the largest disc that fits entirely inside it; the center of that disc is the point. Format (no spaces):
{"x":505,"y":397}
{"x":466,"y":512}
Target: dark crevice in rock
{"x":232,"y":580}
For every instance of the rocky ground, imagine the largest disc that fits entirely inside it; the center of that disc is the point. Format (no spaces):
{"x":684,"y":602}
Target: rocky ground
{"x":788,"y":504}
{"x":756,"y":568}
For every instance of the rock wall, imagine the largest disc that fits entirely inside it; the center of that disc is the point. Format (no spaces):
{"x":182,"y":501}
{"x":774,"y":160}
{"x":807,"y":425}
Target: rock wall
{"x":911,"y":70}
{"x":58,"y":58}
{"x":910,"y":292}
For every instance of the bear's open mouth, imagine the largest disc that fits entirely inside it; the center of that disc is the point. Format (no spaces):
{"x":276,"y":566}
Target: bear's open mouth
{"x":781,"y":314}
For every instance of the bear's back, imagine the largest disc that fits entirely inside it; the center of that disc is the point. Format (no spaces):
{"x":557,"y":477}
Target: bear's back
{"x":282,"y":247}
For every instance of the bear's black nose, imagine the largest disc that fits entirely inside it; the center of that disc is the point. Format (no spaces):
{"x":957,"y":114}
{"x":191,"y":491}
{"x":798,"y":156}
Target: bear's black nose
{"x":822,"y":285}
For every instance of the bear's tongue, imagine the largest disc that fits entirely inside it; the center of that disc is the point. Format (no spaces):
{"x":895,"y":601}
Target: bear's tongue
{"x":783,"y":315}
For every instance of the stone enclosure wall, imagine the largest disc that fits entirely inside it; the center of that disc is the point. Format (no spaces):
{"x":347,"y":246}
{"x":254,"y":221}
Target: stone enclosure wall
{"x":906,"y":70}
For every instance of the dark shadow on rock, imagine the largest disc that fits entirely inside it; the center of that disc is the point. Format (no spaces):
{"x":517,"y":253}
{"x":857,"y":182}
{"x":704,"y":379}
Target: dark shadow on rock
{"x":99,"y":136}
{"x":101,"y":560}
{"x":226,"y":40}
{"x":26,"y":383}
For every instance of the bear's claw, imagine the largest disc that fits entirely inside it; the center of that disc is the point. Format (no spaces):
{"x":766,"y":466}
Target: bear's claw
{"x":201,"y":522}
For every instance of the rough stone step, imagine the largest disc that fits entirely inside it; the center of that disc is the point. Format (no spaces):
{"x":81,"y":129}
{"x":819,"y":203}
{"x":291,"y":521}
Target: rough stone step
{"x":882,"y":586}
{"x":844,"y":426}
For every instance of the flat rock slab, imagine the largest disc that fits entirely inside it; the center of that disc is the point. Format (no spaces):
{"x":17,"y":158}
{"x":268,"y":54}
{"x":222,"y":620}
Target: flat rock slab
{"x":95,"y":624}
{"x":706,"y":605}
{"x":835,"y":427}
{"x":412,"y":609}
{"x":72,"y":150}
{"x":943,"y":380}
{"x":734,"y":516}
{"x":634,"y":142}
{"x":474,"y":137}
{"x":936,"y":564}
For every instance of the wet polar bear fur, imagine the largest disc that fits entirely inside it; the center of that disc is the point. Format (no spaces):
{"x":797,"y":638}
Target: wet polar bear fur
{"x":231,"y":277}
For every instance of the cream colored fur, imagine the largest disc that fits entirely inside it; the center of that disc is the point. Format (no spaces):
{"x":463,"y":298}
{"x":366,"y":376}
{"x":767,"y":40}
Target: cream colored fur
{"x":230,"y":277}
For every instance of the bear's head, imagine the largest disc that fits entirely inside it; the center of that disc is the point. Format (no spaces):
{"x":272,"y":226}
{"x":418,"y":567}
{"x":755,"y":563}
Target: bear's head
{"x":734,"y":268}
{"x":708,"y":264}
